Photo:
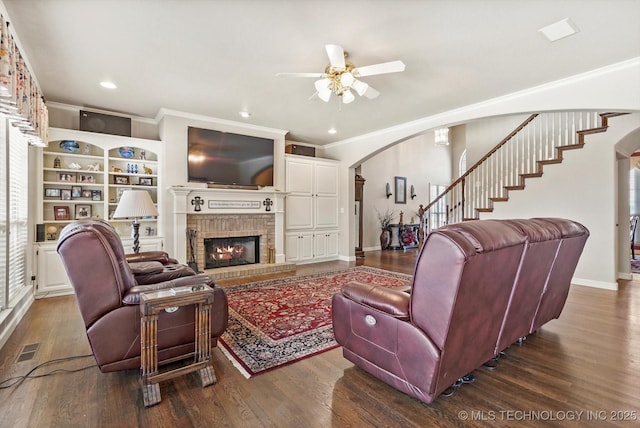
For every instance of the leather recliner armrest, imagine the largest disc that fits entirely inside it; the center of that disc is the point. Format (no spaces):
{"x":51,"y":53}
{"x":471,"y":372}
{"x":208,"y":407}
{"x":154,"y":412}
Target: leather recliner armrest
{"x":132,"y":296}
{"x":146,"y":268}
{"x":150,"y":256}
{"x":387,"y":300}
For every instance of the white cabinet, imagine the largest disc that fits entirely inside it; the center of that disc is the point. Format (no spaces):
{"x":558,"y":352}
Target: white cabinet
{"x":325,"y":244}
{"x":299,"y":246}
{"x":83,"y":174}
{"x":311,"y":208}
{"x":51,"y":278}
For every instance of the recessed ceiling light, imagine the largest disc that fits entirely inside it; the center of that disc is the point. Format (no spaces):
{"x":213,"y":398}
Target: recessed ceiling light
{"x":332,"y":131}
{"x":245,"y":114}
{"x":108,"y":85}
{"x":559,"y":30}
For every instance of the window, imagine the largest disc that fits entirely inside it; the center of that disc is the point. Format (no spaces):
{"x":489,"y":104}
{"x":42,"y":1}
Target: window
{"x":462,"y":165}
{"x":438,"y":212}
{"x":13,"y":211}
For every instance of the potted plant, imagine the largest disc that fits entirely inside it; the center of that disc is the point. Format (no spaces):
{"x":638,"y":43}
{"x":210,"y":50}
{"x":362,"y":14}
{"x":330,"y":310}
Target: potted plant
{"x":385,"y":220}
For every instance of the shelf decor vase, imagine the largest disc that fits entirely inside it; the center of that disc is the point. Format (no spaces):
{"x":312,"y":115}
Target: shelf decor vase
{"x":385,"y":239}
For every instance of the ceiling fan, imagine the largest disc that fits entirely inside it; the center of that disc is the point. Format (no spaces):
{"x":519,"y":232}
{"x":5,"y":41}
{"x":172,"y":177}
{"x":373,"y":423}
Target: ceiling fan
{"x":340,"y":76}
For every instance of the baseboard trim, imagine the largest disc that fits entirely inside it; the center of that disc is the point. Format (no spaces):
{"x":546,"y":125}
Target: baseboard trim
{"x":624,"y":275}
{"x":11,"y":317}
{"x":595,"y":284}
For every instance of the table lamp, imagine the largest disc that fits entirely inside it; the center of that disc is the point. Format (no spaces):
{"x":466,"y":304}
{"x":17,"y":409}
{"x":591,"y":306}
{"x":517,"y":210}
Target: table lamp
{"x":135,"y":204}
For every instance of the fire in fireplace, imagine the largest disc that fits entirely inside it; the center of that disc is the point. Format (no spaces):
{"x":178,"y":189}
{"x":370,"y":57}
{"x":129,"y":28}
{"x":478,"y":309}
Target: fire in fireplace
{"x":234,"y":251}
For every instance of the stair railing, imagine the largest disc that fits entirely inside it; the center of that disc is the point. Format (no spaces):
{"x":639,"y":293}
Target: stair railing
{"x":537,"y":141}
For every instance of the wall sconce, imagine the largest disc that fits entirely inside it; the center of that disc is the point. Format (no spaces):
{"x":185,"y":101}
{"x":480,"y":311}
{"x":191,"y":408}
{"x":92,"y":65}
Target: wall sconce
{"x":413,"y":192}
{"x":388,"y":190}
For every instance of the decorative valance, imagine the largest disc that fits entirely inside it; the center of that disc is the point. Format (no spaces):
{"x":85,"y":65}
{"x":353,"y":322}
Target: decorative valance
{"x":20,"y":98}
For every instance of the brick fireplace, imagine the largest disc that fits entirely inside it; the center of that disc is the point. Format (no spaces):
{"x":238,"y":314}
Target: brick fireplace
{"x":223,"y":213}
{"x":228,"y":226}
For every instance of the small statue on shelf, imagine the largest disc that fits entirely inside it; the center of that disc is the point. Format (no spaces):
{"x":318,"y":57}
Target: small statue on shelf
{"x":56,"y":162}
{"x":147,"y":170}
{"x":87,"y":149}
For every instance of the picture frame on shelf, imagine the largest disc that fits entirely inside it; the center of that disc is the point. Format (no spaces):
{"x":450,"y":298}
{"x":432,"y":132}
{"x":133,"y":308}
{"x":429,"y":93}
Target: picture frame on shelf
{"x":401,"y":190}
{"x":61,"y":212}
{"x":120,"y":191}
{"x":51,"y":192}
{"x":65,"y":194}
{"x":83,"y":211}
{"x":76,"y":192}
{"x":96,"y":195}
{"x":121,"y":179}
{"x":67,"y":177}
{"x":87,"y":194}
{"x":86,"y":178}
{"x":146,"y":181}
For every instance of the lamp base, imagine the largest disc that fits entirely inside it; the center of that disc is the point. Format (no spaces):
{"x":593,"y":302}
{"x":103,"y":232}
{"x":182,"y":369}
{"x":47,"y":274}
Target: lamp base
{"x":136,"y":236}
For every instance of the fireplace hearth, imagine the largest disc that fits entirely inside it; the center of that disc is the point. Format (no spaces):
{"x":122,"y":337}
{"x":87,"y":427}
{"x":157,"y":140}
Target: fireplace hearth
{"x":231,"y":251}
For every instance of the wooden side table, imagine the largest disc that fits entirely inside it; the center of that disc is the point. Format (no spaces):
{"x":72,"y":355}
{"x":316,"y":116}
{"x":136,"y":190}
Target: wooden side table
{"x":151,"y":303}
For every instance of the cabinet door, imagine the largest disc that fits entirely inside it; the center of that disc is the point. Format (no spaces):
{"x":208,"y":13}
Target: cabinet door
{"x":306,"y":246}
{"x":320,"y":244}
{"x":52,"y":278}
{"x":326,"y":211}
{"x":332,"y":244}
{"x":292,"y":244}
{"x":299,"y":176}
{"x":299,"y":212}
{"x":326,"y":180}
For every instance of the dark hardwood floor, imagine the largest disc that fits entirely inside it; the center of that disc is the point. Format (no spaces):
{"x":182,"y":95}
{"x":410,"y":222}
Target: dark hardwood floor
{"x":579,"y":370}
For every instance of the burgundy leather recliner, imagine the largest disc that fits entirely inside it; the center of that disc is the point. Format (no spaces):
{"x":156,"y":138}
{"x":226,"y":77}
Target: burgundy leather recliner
{"x":108,"y":296}
{"x":477,"y":286}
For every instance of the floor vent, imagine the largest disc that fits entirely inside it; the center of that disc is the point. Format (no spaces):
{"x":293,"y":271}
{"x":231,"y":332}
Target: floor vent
{"x":28,"y":352}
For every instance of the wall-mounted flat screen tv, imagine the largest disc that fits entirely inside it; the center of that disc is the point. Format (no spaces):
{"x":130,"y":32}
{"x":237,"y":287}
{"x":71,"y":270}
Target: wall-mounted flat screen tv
{"x":229,"y":159}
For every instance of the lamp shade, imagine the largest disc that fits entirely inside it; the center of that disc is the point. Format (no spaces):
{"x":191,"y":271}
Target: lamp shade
{"x":135,"y":203}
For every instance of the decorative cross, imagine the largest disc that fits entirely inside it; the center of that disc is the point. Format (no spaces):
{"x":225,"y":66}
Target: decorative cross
{"x":198,"y":202}
{"x":267,"y":203}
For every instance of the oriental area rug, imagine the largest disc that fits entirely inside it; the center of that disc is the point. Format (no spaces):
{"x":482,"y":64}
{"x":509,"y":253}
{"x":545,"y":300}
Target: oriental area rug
{"x":280,"y":321}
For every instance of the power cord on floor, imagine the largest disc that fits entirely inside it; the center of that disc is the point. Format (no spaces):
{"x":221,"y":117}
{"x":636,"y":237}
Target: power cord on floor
{"x":17,"y":380}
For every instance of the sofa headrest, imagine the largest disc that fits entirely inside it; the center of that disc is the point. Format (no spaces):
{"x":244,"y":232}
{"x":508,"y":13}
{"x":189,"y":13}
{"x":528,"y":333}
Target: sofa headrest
{"x":536,"y":230}
{"x":488,"y":235}
{"x":567,"y":228}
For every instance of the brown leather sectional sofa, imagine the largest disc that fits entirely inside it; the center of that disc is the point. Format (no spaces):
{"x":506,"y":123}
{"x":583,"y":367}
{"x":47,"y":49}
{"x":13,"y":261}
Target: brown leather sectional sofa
{"x":478,"y":286}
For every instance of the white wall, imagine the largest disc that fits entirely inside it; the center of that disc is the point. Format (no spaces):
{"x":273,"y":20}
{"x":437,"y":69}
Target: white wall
{"x":417,"y":159}
{"x":484,"y":134}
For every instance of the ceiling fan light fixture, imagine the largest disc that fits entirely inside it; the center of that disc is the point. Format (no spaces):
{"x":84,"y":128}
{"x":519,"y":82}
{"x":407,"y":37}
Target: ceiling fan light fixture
{"x":322,"y":84}
{"x":359,"y":86}
{"x":347,"y":79}
{"x":324,"y":94}
{"x":348,"y":97}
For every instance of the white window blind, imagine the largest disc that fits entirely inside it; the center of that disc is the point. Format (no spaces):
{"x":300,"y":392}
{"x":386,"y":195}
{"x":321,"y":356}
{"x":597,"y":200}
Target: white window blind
{"x":4,"y":147}
{"x":13,"y":210}
{"x":18,"y":210}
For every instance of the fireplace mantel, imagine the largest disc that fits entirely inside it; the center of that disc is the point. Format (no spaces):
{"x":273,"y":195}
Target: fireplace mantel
{"x":201,"y":201}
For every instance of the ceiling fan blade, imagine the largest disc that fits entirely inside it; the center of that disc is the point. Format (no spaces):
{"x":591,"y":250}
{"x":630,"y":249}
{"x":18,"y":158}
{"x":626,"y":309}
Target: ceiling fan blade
{"x":382,"y":68}
{"x":299,"y":74}
{"x":371,"y":93}
{"x":336,"y":56}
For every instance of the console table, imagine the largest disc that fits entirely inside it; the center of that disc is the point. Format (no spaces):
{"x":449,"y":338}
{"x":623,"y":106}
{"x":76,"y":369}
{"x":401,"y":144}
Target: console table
{"x":404,"y":236}
{"x":153,"y":302}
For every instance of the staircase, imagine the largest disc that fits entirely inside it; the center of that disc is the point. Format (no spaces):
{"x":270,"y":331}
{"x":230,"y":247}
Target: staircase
{"x":540,"y":140}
